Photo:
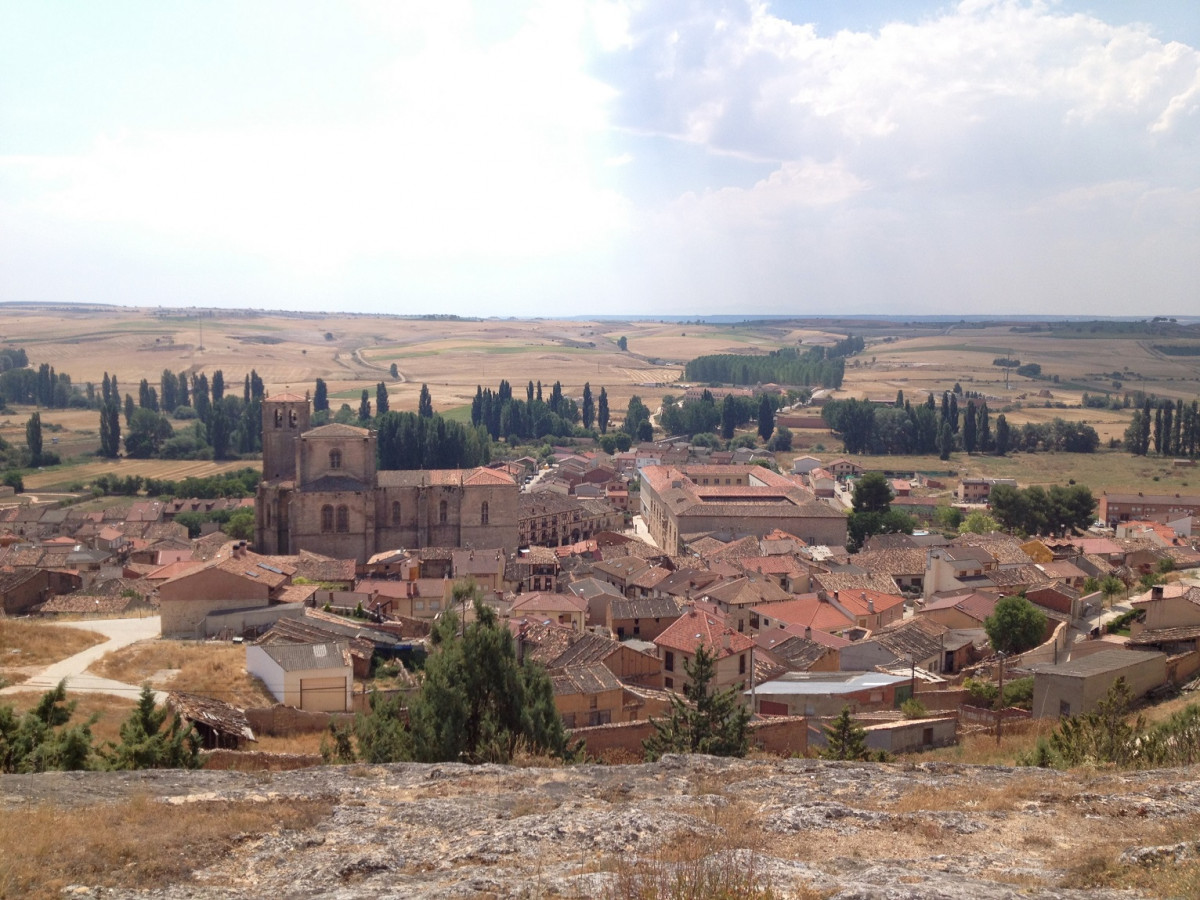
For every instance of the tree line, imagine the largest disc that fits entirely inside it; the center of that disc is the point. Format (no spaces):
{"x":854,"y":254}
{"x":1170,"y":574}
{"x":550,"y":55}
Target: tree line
{"x":1035,"y":510}
{"x":819,"y":365}
{"x":930,"y":427}
{"x":508,"y":417}
{"x":222,"y":425}
{"x":1171,"y":427}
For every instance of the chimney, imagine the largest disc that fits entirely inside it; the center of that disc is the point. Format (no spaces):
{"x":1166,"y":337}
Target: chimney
{"x":835,"y":596}
{"x":822,"y":597}
{"x":725,"y":640}
{"x":870,"y":606}
{"x":1156,"y":592}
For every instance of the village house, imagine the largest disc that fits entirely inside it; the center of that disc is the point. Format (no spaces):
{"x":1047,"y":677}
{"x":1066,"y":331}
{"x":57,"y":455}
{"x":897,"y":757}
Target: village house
{"x":236,"y":580}
{"x":1074,"y":688}
{"x":1119,"y":507}
{"x":677,"y":646}
{"x":641,"y":618}
{"x":561,"y":609}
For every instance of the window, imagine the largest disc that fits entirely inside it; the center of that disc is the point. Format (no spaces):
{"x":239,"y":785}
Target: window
{"x":291,"y":418}
{"x":742,"y":664}
{"x":343,"y":519}
{"x":326,"y":518}
{"x":279,"y":418}
{"x":483,"y":513}
{"x":335,"y":459}
{"x":395,"y":513}
{"x":670,"y":683}
{"x":669,"y":662}
{"x":442,"y":509}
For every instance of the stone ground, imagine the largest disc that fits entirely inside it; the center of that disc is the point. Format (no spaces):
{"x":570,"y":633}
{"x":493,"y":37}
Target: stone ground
{"x":806,"y":828}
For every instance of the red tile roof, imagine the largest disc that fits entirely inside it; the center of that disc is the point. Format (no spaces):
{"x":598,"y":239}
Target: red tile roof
{"x":694,"y":628}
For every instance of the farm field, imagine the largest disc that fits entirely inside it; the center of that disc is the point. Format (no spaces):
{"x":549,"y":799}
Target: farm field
{"x":453,"y":356}
{"x":59,"y":477}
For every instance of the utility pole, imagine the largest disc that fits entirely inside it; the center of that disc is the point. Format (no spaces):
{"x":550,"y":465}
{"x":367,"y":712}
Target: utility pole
{"x":1000,"y":701}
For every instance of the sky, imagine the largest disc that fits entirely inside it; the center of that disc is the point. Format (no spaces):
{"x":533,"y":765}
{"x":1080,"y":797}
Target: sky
{"x":570,"y":157}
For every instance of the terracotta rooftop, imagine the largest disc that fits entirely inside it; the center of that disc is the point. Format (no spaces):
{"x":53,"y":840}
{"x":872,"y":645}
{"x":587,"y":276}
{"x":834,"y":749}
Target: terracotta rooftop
{"x":694,"y":629}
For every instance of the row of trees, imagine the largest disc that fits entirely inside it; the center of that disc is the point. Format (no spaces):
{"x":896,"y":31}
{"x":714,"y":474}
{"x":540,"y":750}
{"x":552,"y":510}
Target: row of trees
{"x":508,"y":417}
{"x":817,"y":366}
{"x":705,"y":415}
{"x":222,"y":425}
{"x":927,"y":428}
{"x":408,"y":440}
{"x":1171,"y":427}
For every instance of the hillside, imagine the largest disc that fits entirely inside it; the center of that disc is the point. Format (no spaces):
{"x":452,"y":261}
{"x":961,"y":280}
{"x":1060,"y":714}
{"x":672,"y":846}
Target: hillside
{"x":800,"y":828}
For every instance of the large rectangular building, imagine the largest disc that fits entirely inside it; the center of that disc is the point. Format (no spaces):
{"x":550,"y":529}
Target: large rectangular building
{"x":1121,"y":507}
{"x":679,"y":501}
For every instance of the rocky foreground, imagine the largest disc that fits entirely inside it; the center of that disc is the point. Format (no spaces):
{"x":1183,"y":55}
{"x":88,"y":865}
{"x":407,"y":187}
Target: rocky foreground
{"x":800,"y":828}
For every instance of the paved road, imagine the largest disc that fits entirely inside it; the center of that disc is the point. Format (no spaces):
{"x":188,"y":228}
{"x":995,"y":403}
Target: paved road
{"x":120,"y":633}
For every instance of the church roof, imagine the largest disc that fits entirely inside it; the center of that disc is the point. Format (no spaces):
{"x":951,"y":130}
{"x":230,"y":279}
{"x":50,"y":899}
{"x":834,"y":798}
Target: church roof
{"x":335,"y":430}
{"x":287,"y":397}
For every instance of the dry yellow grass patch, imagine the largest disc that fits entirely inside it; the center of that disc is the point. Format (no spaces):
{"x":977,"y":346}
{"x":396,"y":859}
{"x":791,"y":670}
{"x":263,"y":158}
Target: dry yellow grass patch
{"x":205,"y":668}
{"x":110,"y":709}
{"x":133,"y":844}
{"x":24,"y":643}
{"x":304,"y":743}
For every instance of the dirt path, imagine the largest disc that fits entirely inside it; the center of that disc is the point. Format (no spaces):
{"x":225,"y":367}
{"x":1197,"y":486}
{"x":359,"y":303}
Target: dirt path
{"x":120,"y":633}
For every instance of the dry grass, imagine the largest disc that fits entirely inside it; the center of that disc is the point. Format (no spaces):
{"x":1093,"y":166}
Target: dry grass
{"x":138,"y":843}
{"x":205,"y":668}
{"x":301,"y":743}
{"x":26,"y":643}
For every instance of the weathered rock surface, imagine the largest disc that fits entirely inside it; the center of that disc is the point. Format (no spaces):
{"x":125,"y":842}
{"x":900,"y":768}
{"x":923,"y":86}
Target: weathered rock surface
{"x":844,"y":830}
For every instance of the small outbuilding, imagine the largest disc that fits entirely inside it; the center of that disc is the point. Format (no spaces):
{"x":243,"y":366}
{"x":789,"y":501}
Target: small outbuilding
{"x":1074,"y":688}
{"x":315,"y":677}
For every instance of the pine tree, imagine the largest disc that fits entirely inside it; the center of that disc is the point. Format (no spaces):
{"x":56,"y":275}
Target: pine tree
{"x":845,"y":739}
{"x":702,"y":721}
{"x":320,"y":396}
{"x":364,"y":407}
{"x":425,"y":403}
{"x":145,"y":744}
{"x":479,"y":700}
{"x":381,"y":398}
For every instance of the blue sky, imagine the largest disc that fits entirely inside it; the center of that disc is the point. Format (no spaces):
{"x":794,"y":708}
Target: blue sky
{"x":567,"y":157}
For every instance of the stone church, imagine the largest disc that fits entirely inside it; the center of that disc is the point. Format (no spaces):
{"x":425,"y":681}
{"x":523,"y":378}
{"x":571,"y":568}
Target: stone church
{"x":321,"y":491}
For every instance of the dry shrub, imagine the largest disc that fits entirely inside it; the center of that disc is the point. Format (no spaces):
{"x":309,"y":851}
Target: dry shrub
{"x":40,"y":643}
{"x":691,"y":868}
{"x":300,"y":742}
{"x":139,"y":843}
{"x":204,"y":667}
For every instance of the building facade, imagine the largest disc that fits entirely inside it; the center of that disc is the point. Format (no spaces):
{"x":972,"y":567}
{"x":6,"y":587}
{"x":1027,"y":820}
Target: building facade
{"x":321,"y":491}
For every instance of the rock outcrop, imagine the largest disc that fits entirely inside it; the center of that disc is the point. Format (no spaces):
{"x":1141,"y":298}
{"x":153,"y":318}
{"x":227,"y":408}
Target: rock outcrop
{"x":804,"y":828}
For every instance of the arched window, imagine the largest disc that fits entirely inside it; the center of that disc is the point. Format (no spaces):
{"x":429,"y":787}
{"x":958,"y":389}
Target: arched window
{"x":292,"y":418}
{"x":395,"y":513}
{"x":326,"y":518}
{"x":343,"y":519}
{"x":483,"y":513}
{"x":442,"y":510}
{"x":279,"y":418}
{"x":335,"y":459}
